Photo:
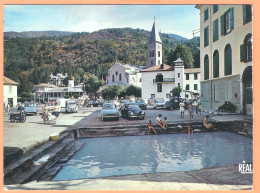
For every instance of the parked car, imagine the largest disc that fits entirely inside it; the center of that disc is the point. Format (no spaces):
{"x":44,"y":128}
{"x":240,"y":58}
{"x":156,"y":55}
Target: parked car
{"x":141,"y":103}
{"x":30,"y":108}
{"x":132,"y":110}
{"x":109,"y":111}
{"x":51,"y":105}
{"x":92,"y":103}
{"x":124,"y":101}
{"x":173,"y":103}
{"x":158,"y":103}
{"x":71,"y":106}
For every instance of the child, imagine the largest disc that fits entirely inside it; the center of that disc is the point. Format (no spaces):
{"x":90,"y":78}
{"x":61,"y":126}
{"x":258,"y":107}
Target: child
{"x":160,"y":122}
{"x":150,"y":126}
{"x":200,"y":108}
{"x":190,"y":129}
{"x":165,"y":122}
{"x":191,"y":108}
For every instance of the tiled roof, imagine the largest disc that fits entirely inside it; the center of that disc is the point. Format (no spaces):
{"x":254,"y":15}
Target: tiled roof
{"x":157,"y":68}
{"x":9,"y":81}
{"x":191,"y":70}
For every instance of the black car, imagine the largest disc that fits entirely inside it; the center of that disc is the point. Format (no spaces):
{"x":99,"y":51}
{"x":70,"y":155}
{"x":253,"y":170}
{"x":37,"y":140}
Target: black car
{"x":92,"y":103}
{"x":132,"y":110}
{"x":141,"y":103}
{"x":173,"y":103}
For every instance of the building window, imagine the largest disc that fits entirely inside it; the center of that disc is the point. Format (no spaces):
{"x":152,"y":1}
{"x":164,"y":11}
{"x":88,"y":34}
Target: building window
{"x":10,"y":89}
{"x":159,"y":87}
{"x":206,"y":14}
{"x":187,"y":76}
{"x":152,"y":53}
{"x":168,"y":96}
{"x":158,"y":62}
{"x":206,"y":67}
{"x":215,"y":64}
{"x":113,"y":78}
{"x":140,"y":80}
{"x":227,"y":22}
{"x":152,"y":96}
{"x":247,"y":14}
{"x":215,"y":8}
{"x":195,"y":76}
{"x":206,"y":36}
{"x":179,"y":85}
{"x":151,"y":63}
{"x":158,"y":53}
{"x":195,"y":86}
{"x":228,"y":60}
{"x":246,"y":49}
{"x":215,"y":30}
{"x":179,"y":74}
{"x":120,"y":77}
{"x":187,"y":87}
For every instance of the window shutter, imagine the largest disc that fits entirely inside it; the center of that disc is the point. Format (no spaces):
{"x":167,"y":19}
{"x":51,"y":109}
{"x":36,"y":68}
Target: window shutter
{"x":242,"y":53}
{"x":244,"y":14}
{"x":222,"y":25}
{"x":232,"y":18}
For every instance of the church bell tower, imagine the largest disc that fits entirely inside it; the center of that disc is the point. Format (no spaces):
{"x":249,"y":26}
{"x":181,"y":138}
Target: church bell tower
{"x":154,"y":46}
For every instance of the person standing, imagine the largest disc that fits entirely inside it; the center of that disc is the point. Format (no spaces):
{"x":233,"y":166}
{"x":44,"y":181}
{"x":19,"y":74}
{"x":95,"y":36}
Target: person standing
{"x":182,"y":108}
{"x":191,"y":108}
{"x":200,"y":108}
{"x":8,"y":107}
{"x":195,"y":104}
{"x":56,"y":110}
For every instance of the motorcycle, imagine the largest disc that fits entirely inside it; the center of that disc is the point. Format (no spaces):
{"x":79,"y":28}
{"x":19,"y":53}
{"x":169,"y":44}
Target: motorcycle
{"x":18,"y":117}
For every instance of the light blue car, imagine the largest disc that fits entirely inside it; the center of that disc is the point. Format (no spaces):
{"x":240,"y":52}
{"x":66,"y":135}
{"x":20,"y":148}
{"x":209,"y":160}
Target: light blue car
{"x":30,"y":108}
{"x":159,"y":103}
{"x":109,"y":111}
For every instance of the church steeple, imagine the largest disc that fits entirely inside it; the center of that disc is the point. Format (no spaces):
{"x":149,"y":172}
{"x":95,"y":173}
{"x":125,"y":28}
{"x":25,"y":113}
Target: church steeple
{"x":154,"y":46}
{"x":154,"y":36}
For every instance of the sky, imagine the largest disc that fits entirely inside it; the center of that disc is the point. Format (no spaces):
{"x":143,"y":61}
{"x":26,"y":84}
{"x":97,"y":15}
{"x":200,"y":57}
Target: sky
{"x":176,"y":19}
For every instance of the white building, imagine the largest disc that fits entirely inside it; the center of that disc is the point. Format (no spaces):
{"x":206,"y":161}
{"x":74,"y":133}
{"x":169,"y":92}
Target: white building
{"x":192,"y":82}
{"x":226,"y":56}
{"x":10,"y":92}
{"x":159,"y":79}
{"x":57,"y":80}
{"x":124,"y":74}
{"x":45,"y":92}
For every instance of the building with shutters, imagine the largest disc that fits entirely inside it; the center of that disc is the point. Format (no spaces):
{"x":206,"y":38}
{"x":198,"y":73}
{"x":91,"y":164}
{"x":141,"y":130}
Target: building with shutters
{"x":226,"y":56}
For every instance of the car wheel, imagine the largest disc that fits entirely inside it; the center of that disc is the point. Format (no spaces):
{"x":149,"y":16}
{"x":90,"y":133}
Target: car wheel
{"x":12,"y":119}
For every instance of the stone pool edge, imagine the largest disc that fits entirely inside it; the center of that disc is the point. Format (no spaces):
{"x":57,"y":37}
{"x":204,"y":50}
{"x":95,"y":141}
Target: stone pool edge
{"x":217,"y":178}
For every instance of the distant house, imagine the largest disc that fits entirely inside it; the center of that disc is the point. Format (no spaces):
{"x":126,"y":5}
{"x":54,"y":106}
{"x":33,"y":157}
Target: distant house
{"x":45,"y":92}
{"x":226,"y":56}
{"x":124,"y":74}
{"x":191,"y":82}
{"x":10,"y":91}
{"x":57,"y":80}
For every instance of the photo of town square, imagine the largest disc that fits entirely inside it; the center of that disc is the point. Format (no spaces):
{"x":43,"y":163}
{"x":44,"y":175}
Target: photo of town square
{"x":128,"y":97}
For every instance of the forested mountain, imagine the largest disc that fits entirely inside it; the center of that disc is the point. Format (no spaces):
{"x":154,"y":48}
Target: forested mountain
{"x":30,"y":60}
{"x":33,"y":34}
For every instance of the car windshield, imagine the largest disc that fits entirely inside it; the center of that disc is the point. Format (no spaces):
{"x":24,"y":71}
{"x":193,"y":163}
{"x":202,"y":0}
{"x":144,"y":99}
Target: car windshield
{"x":140,"y":101}
{"x":71,"y":103}
{"x":159,"y":100}
{"x":28,"y":104}
{"x":51,"y":104}
{"x":132,"y":106}
{"x":109,"y":106}
{"x":125,"y":101}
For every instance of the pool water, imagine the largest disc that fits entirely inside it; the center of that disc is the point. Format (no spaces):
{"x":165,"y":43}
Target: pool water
{"x":111,"y":156}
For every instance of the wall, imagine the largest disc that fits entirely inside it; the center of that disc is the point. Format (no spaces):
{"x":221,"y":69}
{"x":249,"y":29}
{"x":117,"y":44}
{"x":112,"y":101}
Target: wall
{"x":10,"y":91}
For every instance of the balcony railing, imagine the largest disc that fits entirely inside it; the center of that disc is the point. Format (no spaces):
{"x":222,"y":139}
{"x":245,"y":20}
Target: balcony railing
{"x":165,"y":80}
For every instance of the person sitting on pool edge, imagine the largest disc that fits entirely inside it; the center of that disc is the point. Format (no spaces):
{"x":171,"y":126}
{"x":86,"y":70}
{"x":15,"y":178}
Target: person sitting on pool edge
{"x":150,"y":126}
{"x":160,"y":122}
{"x":208,"y":125}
